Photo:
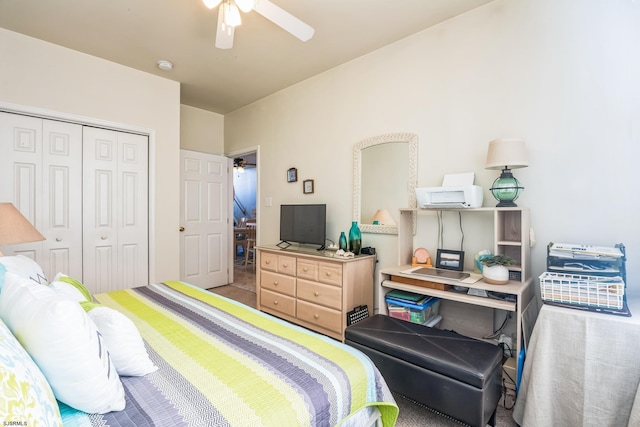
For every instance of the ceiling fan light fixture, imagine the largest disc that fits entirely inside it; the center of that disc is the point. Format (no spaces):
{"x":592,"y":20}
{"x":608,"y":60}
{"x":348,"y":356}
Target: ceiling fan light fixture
{"x":211,"y":3}
{"x":231,"y":14}
{"x":245,"y":5}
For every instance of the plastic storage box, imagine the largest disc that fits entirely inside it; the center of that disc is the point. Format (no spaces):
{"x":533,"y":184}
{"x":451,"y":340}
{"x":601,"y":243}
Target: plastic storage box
{"x":413,"y":312}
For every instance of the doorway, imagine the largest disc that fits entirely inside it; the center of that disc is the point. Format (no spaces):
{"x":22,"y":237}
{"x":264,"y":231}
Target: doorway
{"x":245,"y":214}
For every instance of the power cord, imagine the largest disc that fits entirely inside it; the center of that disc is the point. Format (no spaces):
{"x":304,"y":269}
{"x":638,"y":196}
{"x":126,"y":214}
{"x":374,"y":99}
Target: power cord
{"x":497,"y":333}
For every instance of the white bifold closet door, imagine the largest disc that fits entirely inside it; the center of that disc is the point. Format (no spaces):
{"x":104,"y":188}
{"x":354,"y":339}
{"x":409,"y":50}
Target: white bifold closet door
{"x":86,"y":190}
{"x":41,"y":174}
{"x":115,"y":205}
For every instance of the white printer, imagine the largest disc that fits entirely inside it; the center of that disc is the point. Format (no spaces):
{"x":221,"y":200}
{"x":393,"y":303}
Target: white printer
{"x":457,"y":191}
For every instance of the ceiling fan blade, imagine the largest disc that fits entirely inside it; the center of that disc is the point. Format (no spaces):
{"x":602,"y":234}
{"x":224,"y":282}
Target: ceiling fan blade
{"x":284,"y":19}
{"x":224,"y":33}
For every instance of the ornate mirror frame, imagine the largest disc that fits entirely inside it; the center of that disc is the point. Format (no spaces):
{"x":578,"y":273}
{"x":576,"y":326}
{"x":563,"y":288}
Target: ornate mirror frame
{"x":412,"y":169}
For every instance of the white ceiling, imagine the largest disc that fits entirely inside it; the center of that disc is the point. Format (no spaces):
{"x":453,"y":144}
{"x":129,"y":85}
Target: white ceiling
{"x":264,"y":58}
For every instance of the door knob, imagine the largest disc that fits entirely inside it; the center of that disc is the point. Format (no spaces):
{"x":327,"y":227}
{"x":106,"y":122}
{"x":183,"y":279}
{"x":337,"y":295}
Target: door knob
{"x":181,"y":229}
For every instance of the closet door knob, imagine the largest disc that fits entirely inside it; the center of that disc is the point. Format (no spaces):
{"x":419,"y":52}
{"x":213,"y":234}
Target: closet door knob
{"x":58,"y":239}
{"x":181,"y":229}
{"x":103,"y":237}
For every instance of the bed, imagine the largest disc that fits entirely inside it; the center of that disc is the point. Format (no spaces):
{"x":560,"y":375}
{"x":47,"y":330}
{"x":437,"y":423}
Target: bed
{"x":221,"y":363}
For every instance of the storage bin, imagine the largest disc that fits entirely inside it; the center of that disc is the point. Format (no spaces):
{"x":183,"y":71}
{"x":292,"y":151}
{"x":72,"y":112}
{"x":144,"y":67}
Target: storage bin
{"x":411,"y":312}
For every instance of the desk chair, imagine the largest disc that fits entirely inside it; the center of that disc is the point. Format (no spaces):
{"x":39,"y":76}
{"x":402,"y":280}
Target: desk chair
{"x":250,"y":244}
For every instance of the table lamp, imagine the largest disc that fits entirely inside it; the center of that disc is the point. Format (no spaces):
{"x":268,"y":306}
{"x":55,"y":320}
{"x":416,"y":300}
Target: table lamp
{"x":15,"y":228}
{"x":383,"y":217}
{"x":506,"y":154}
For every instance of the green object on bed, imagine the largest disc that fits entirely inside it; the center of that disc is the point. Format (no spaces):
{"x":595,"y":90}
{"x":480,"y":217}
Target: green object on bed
{"x":223,"y":363}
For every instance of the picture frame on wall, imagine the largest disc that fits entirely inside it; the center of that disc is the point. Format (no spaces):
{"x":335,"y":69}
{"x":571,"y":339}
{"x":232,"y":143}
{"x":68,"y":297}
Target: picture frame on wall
{"x":292,"y":175}
{"x":450,"y":260}
{"x":307,"y":186}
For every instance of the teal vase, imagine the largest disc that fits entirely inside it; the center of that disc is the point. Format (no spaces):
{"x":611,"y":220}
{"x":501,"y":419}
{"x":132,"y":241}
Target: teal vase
{"x":342,"y":243}
{"x":355,"y":239}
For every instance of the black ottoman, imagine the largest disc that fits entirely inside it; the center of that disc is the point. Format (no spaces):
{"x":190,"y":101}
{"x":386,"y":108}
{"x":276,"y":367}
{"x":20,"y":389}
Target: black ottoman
{"x":445,"y":371}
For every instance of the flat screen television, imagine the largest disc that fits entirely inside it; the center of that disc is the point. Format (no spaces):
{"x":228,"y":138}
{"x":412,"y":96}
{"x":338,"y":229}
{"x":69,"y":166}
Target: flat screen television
{"x":305,"y":224}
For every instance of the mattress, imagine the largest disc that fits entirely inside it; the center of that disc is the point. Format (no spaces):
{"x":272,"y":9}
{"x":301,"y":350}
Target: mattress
{"x":222,"y":363}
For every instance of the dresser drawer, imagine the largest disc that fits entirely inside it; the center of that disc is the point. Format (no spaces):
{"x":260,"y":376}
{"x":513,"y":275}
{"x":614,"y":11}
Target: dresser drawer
{"x":268,"y":261}
{"x":278,"y":302}
{"x":287,"y":265}
{"x":278,"y":282}
{"x":317,"y":293}
{"x":321,"y":316}
{"x":308,"y":269}
{"x":330,"y":273}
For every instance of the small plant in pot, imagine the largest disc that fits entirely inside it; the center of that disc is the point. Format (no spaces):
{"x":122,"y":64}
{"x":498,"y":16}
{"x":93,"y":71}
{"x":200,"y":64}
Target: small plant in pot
{"x":495,"y":269}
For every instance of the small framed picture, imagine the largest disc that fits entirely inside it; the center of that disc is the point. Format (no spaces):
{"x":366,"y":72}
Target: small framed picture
{"x":450,"y":260}
{"x":292,"y":175}
{"x":307,"y":186}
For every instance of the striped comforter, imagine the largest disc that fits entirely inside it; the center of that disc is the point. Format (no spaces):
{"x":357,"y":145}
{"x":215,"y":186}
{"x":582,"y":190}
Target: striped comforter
{"x":222,"y":363}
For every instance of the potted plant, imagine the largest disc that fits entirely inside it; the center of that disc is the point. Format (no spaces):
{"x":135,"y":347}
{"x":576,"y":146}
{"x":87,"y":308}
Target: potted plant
{"x":495,"y":269}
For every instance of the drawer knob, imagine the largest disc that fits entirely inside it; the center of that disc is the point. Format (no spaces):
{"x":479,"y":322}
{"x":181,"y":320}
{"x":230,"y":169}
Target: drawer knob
{"x":275,"y":283}
{"x":316,"y":293}
{"x":328,"y":274}
{"x":315,"y":316}
{"x":285,"y":265}
{"x":275,"y":303}
{"x":267,"y":261}
{"x":305,"y":269}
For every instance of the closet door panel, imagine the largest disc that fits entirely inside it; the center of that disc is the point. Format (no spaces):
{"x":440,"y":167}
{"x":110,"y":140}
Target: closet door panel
{"x":62,"y":198}
{"x":21,"y":174}
{"x":115,"y":210}
{"x":133,"y":207}
{"x":99,"y":209}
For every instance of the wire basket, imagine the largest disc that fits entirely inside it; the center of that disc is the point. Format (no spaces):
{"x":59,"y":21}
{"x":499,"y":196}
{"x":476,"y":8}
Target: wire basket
{"x":590,"y":291}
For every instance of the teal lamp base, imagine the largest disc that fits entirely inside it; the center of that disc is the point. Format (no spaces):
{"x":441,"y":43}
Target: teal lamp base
{"x":506,"y":189}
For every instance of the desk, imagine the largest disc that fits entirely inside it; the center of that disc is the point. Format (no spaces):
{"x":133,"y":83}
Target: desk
{"x":582,"y":369}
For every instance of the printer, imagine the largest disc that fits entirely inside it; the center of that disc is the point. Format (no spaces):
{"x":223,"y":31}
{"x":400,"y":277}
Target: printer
{"x":457,"y":192}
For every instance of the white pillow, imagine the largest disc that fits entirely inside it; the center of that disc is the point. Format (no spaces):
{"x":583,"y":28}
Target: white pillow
{"x":123,"y":340}
{"x":22,"y":266}
{"x":65,"y":344}
{"x":71,"y":287}
{"x":24,"y":392}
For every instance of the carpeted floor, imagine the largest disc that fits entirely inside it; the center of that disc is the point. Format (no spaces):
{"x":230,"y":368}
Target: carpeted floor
{"x":411,"y":413}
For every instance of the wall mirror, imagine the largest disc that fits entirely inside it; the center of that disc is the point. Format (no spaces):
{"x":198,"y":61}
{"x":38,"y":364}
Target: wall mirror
{"x":384,"y":178}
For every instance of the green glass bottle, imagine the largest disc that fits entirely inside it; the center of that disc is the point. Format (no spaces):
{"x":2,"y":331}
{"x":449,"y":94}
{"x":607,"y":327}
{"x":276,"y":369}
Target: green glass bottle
{"x":342,"y":242}
{"x":355,"y":238}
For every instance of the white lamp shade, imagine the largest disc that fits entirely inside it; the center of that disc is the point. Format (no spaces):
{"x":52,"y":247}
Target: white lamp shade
{"x":15,"y":228}
{"x":508,"y":153}
{"x":383,"y":217}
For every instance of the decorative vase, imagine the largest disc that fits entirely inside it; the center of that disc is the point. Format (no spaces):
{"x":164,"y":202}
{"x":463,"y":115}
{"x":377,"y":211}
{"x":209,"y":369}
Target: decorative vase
{"x":355,"y":238}
{"x":342,"y":242}
{"x":495,"y":274}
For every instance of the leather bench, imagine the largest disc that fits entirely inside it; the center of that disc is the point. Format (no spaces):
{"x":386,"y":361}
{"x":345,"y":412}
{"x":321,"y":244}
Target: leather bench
{"x":445,"y":371}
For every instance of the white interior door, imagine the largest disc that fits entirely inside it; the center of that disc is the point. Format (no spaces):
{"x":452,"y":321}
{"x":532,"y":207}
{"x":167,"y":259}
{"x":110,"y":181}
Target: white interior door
{"x":204,"y":219}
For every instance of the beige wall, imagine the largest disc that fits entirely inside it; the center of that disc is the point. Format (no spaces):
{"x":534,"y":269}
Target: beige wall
{"x":201,"y":130}
{"x":56,"y":80}
{"x":563,"y":74}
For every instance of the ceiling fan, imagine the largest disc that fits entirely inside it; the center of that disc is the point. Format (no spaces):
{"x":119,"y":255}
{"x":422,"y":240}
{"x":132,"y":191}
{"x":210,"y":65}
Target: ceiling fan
{"x":240,"y":164}
{"x":229,"y":19}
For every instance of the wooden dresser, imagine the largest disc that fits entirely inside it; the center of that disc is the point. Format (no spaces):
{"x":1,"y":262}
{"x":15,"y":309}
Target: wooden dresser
{"x":314,"y":290}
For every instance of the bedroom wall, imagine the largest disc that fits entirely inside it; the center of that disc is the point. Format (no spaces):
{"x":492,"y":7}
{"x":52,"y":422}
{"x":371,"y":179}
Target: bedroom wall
{"x":47,"y":77}
{"x":201,"y":130}
{"x":563,"y":74}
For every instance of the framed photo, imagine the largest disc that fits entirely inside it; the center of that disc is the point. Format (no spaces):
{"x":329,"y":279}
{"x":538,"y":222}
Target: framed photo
{"x":292,"y":175}
{"x":307,"y":186}
{"x":450,"y":260}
